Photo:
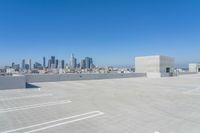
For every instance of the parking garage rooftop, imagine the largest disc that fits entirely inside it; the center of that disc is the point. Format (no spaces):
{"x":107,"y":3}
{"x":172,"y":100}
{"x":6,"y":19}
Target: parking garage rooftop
{"x":132,"y":105}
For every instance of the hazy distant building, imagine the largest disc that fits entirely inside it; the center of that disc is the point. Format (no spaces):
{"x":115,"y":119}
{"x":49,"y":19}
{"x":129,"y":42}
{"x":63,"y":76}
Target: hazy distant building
{"x":53,"y":66}
{"x":88,"y":63}
{"x":37,"y":66}
{"x":16,"y":67}
{"x":53,"y":59}
{"x":13,"y":64}
{"x":194,"y":67}
{"x":82,"y":64}
{"x":27,"y":67}
{"x":23,"y":64}
{"x":30,"y":64}
{"x":57,"y":62}
{"x":49,"y":63}
{"x":62,"y":64}
{"x":44,"y":62}
{"x":73,"y":62}
{"x":78,"y":65}
{"x":155,"y":66}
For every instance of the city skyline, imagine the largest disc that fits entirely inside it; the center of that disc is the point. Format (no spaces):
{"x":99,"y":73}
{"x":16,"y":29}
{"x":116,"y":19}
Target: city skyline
{"x":112,"y":32}
{"x":53,"y":63}
{"x":79,"y":59}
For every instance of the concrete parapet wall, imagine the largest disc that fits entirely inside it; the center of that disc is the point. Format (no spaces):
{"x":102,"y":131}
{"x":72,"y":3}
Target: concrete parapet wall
{"x":15,"y":82}
{"x":12,"y":82}
{"x":71,"y":77}
{"x":186,"y":73}
{"x":42,"y":78}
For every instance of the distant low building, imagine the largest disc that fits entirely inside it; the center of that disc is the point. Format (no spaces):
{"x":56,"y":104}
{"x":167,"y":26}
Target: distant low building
{"x":194,"y":67}
{"x":16,"y":67}
{"x":2,"y":72}
{"x":10,"y":70}
{"x":155,"y":66}
{"x":38,"y":66}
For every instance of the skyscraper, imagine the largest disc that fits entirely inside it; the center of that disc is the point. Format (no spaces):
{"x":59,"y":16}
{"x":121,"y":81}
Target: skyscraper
{"x":89,"y":63}
{"x":13,"y":64}
{"x":44,"y":62}
{"x":49,"y":63}
{"x":23,"y":64}
{"x":27,"y":67}
{"x":62,"y":64}
{"x":57,"y":61}
{"x":83,"y":65}
{"x":30,"y":64}
{"x":73,"y":62}
{"x":53,"y":58}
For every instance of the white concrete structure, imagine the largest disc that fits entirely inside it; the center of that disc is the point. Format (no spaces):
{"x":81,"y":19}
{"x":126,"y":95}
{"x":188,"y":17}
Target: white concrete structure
{"x":194,"y":67}
{"x":12,"y":82}
{"x":155,"y":66}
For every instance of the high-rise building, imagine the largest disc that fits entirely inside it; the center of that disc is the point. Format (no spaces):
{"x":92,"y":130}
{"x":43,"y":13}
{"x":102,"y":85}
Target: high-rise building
{"x":57,"y":61}
{"x":83,"y":65}
{"x":78,"y":65}
{"x":89,"y":63}
{"x":44,"y":62}
{"x":73,"y":62}
{"x":13,"y":64}
{"x":27,"y":67}
{"x":30,"y":64}
{"x":49,"y":63}
{"x":53,"y":59}
{"x":62,"y":64}
{"x":23,"y":64}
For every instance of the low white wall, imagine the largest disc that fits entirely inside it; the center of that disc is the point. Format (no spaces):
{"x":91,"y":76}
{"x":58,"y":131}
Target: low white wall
{"x":186,"y":73}
{"x":12,"y":82}
{"x":71,"y":77}
{"x":15,"y":82}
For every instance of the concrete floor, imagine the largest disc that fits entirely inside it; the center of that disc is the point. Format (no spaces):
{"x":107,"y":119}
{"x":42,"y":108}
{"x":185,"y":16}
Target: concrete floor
{"x":134,"y":105}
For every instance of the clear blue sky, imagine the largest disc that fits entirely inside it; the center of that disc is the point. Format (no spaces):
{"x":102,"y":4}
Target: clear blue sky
{"x":113,"y":32}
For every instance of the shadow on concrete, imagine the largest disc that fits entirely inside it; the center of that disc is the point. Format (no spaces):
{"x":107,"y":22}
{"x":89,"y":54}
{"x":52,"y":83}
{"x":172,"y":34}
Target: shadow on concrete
{"x":31,"y":86}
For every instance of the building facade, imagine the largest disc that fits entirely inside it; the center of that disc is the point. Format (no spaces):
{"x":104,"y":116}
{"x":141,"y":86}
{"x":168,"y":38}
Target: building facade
{"x":155,"y":66}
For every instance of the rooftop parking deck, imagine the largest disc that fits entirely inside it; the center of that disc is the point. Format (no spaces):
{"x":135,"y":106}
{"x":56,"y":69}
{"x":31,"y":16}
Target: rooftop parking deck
{"x":133,"y":105}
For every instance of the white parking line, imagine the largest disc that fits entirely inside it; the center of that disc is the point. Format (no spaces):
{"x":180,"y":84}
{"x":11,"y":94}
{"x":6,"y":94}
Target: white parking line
{"x":34,"y":106}
{"x":66,"y":120}
{"x":25,"y":97}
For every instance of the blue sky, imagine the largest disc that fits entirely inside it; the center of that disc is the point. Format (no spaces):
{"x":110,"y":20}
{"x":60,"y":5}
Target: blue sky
{"x":113,"y":32}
